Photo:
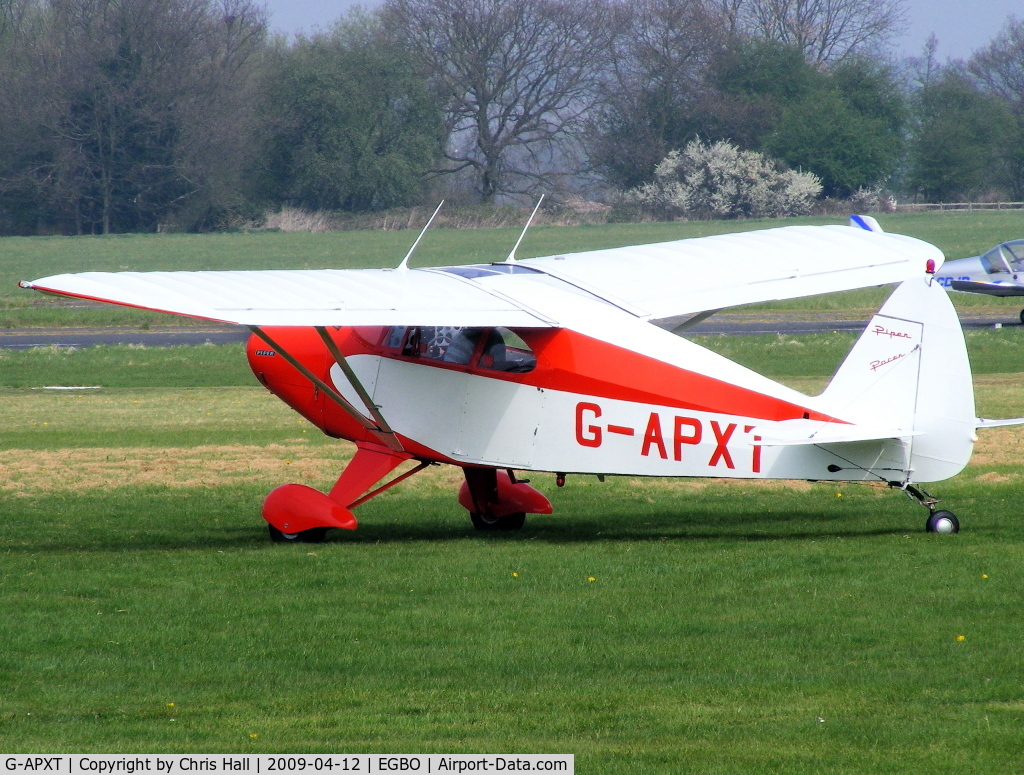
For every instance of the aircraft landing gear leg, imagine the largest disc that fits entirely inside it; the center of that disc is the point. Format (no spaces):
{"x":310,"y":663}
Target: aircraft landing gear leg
{"x":483,"y":493}
{"x":939,"y":520}
{"x":296,"y":513}
{"x":496,"y":500}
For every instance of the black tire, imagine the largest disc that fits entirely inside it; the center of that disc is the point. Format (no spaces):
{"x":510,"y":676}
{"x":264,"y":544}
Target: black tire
{"x":942,"y":522}
{"x":314,"y":535}
{"x":1022,"y":316}
{"x":506,"y":523}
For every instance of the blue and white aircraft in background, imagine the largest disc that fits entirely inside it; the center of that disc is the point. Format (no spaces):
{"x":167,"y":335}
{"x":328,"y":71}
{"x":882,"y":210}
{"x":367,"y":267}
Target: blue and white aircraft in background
{"x":996,"y":272}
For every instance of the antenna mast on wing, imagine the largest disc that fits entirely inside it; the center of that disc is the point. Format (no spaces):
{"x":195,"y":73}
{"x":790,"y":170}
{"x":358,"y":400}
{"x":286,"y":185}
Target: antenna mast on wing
{"x":512,"y":256}
{"x":405,"y":261}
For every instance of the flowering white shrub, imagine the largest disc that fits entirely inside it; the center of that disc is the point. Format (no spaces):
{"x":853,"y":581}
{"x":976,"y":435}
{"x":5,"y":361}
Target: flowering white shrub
{"x":871,"y":200}
{"x":721,"y":181}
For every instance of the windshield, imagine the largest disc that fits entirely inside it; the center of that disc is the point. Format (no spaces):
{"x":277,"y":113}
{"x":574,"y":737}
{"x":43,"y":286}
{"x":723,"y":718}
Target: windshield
{"x":1008,"y":257}
{"x":1014,"y":253}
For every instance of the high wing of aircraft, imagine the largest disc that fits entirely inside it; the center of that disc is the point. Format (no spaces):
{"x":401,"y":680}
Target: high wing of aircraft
{"x":996,"y":272}
{"x":556,"y":364}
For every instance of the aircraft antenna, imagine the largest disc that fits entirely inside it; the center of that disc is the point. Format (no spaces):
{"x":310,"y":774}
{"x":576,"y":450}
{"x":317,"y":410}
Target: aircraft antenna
{"x":405,"y":261}
{"x":512,"y":256}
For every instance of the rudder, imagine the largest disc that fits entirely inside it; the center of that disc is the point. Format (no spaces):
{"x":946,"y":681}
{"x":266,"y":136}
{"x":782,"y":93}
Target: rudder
{"x":910,"y":370}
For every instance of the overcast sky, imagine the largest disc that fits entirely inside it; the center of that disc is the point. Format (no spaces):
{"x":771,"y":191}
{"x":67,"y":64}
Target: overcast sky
{"x":960,"y":25}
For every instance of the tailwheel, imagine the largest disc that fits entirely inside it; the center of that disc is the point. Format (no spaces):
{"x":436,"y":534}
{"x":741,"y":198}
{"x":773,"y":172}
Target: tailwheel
{"x":939,"y":520}
{"x":314,"y":535}
{"x":942,"y":521}
{"x":489,"y":522}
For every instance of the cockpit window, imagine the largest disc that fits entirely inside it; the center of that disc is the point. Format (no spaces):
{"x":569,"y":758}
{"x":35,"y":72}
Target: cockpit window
{"x":452,"y":344}
{"x":1008,"y":257}
{"x":505,"y":350}
{"x":1014,"y":252}
{"x":502,"y":349}
{"x":395,"y":337}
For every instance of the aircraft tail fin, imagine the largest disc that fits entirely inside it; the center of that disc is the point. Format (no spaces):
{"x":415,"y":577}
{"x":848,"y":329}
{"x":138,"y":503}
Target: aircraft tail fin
{"x":909,"y":372}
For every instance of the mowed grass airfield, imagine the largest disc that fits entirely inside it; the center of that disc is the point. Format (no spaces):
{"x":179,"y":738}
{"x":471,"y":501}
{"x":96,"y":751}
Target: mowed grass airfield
{"x":649,"y":625}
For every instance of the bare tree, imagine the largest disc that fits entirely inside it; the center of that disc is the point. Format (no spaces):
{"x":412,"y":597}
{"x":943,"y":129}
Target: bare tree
{"x":14,"y":16}
{"x":217,"y":112}
{"x":926,"y":68}
{"x":732,"y":13}
{"x":1000,"y":65}
{"x":656,"y":87}
{"x":23,"y":152}
{"x":999,"y":69}
{"x":123,"y":113}
{"x":824,"y":30}
{"x":517,"y":77}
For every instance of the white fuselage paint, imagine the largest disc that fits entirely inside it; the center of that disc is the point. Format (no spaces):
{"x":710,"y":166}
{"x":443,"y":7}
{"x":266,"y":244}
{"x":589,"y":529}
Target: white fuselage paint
{"x":480,"y":420}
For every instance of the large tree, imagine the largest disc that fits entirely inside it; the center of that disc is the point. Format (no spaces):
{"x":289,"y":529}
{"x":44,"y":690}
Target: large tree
{"x":843,"y":122}
{"x":517,"y":78}
{"x":656,"y":87}
{"x":847,"y":128}
{"x":999,"y":69}
{"x":349,"y":123}
{"x":959,"y":135}
{"x":136,"y":107}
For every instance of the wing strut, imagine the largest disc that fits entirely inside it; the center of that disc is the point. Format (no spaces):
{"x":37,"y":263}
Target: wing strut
{"x":689,"y":323}
{"x":355,"y":383}
{"x":382,"y":432}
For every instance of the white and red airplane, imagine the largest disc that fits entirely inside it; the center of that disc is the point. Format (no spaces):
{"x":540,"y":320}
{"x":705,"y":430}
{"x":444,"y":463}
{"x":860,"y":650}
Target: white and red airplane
{"x":556,"y":364}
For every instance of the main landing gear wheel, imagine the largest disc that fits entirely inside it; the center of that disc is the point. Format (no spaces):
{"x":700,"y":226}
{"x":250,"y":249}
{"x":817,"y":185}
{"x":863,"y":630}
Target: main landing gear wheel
{"x":1022,"y":316}
{"x":489,"y":522}
{"x":942,"y":522}
{"x":314,"y":535}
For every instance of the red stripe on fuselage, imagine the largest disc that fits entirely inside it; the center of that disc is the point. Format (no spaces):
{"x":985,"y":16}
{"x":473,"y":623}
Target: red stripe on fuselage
{"x":574,"y":363}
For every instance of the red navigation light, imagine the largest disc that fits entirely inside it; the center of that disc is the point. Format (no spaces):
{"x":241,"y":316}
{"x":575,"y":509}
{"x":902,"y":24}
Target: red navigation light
{"x":930,"y":266}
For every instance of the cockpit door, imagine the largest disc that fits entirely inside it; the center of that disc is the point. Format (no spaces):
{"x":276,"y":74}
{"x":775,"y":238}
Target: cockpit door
{"x":421,"y":402}
{"x":500,"y":422}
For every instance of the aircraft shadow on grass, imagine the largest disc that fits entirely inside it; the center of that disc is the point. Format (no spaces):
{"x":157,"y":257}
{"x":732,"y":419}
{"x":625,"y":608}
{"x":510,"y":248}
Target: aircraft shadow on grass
{"x":683,"y":526}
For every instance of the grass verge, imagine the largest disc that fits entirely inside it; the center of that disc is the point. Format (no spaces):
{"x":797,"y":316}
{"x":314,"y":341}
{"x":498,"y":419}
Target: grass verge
{"x":126,"y":365}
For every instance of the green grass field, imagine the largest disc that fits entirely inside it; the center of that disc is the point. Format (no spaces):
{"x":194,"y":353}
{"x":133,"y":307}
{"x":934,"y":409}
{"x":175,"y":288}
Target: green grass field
{"x":647,"y":626}
{"x":30,"y":258}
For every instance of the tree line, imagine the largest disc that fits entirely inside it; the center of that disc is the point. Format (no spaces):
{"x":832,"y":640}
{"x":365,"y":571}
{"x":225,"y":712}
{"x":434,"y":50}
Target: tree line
{"x":137,"y":115}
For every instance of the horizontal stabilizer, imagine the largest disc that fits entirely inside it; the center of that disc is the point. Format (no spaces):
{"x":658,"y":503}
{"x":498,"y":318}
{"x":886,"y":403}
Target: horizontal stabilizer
{"x":980,"y":423}
{"x":791,"y":433}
